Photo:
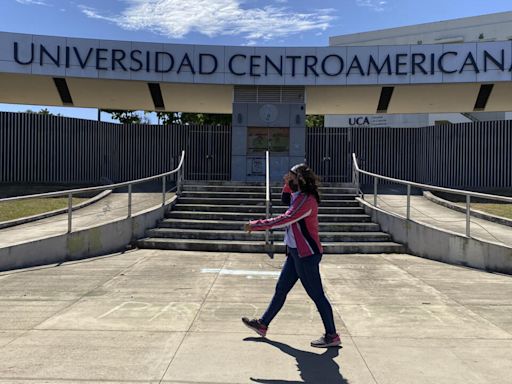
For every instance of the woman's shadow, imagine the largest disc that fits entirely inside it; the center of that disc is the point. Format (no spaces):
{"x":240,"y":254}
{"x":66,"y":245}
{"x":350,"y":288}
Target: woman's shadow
{"x":314,"y":368}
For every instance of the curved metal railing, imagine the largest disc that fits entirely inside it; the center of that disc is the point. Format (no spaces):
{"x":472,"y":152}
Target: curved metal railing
{"x":129,"y":184}
{"x":468,"y":194}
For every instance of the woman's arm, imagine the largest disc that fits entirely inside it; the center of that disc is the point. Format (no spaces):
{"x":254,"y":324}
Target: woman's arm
{"x":301,"y":207}
{"x":286,"y":195}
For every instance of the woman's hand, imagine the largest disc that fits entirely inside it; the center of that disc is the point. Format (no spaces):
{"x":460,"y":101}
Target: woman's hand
{"x":247,"y":227}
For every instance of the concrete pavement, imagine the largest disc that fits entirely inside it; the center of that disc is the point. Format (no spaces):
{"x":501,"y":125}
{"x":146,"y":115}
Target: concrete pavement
{"x":427,"y":212}
{"x":149,"y":316}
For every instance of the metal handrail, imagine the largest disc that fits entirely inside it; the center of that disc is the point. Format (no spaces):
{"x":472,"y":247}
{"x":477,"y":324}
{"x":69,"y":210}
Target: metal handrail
{"x":267,"y":194}
{"x":129,"y":184}
{"x":468,"y":194}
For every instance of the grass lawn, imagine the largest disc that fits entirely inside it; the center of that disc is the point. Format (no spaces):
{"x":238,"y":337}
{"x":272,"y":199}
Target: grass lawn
{"x":11,"y":210}
{"x":503,"y":210}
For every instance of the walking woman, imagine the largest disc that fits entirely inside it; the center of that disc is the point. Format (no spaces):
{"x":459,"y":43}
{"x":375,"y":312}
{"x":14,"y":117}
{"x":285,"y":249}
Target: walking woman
{"x":304,"y":253}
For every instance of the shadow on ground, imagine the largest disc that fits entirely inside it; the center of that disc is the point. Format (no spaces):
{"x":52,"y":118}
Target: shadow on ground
{"x":314,"y":368}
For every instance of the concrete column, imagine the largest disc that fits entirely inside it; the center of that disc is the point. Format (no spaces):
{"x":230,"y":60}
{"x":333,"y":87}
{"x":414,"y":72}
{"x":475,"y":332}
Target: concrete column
{"x":250,"y":167}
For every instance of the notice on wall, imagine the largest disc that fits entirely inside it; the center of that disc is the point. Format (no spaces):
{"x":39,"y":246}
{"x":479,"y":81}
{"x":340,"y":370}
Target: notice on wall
{"x":273,"y":139}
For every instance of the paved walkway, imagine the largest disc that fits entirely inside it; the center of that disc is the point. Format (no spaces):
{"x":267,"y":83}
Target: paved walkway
{"x":425,"y":211}
{"x":149,"y":316}
{"x":112,"y":207}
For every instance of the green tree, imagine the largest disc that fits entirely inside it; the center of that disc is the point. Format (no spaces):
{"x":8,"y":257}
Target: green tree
{"x":166,"y":118}
{"x":194,"y":118}
{"x":314,"y":121}
{"x":206,"y":118}
{"x":124,"y":117}
{"x":43,"y":111}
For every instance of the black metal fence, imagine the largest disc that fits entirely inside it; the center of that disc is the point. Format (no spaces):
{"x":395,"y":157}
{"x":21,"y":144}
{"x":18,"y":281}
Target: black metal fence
{"x":467,"y":155}
{"x":48,"y":149}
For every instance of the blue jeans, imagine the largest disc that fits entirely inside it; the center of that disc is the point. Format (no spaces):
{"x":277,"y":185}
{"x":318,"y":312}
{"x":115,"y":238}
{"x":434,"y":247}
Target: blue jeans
{"x":307,"y":269}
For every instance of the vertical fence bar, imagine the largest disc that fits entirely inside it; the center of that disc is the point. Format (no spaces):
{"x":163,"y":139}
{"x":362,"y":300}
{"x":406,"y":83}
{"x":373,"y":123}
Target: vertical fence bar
{"x":70,"y":211}
{"x":356,"y":174}
{"x":179,"y":177}
{"x":375,"y":182}
{"x":408,"y":201}
{"x":359,"y":192}
{"x":468,"y":215}
{"x":178,"y":183}
{"x":129,"y":200}
{"x":353,"y":173}
{"x":182,"y":179}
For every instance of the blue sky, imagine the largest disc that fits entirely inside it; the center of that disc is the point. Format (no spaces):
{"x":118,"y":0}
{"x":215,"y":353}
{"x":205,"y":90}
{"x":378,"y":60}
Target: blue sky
{"x":224,"y":22}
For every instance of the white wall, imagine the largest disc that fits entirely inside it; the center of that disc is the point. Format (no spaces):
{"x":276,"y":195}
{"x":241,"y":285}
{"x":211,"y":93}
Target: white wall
{"x":410,"y":120}
{"x":397,"y":121}
{"x":497,"y":26}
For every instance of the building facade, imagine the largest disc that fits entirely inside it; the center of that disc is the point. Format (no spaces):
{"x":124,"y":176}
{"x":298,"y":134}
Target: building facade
{"x":478,"y":29}
{"x":373,"y":80}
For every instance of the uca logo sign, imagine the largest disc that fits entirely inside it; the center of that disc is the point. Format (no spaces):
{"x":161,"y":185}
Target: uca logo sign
{"x":360,"y":120}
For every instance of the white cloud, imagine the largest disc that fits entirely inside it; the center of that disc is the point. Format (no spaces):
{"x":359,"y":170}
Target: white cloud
{"x":376,"y":5}
{"x":177,"y":18}
{"x":33,"y":2}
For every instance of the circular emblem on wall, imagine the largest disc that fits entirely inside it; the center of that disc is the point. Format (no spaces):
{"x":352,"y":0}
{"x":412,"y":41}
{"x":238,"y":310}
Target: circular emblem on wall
{"x":268,"y":113}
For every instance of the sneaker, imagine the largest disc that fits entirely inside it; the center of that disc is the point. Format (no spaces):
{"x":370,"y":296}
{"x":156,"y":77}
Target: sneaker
{"x":327,"y":341}
{"x":256,"y":326}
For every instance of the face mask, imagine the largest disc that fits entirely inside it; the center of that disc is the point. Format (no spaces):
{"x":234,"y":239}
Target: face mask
{"x":293,"y":186}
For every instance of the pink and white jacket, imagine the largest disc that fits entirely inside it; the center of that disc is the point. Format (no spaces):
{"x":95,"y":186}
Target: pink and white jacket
{"x":303,"y":218}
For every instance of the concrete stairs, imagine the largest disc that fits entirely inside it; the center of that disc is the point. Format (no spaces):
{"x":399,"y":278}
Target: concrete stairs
{"x":210,"y":217}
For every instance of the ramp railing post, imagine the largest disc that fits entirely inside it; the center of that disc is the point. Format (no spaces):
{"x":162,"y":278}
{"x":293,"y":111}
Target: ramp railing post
{"x":129,"y":200}
{"x":268,"y":203}
{"x":468,"y":215}
{"x":70,"y":211}
{"x":375,"y":182}
{"x":163,"y":196}
{"x":408,"y":201}
{"x":180,"y":176}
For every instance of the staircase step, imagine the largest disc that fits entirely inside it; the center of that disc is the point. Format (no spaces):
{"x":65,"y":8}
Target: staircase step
{"x":256,"y":195}
{"x":275,"y":183}
{"x":259,"y":189}
{"x":209,"y":216}
{"x":216,"y":234}
{"x":237,"y":225}
{"x":261,"y":209}
{"x":198,"y":215}
{"x":259,"y":247}
{"x":225,"y":183}
{"x":275,"y":202}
